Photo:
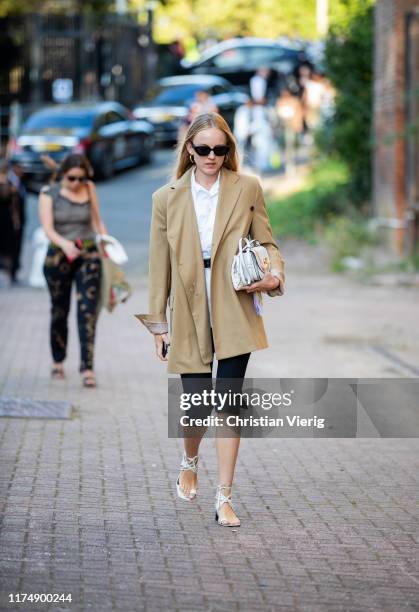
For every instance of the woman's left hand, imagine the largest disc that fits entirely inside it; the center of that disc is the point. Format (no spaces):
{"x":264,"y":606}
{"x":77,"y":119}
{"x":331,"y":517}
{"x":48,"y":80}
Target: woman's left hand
{"x":268,"y":283}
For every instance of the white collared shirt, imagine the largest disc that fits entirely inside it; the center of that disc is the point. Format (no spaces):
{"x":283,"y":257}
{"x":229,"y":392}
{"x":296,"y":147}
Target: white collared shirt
{"x":205,"y":204}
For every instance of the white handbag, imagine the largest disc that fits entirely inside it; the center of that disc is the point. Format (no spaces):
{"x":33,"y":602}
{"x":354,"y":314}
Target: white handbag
{"x":250,"y":264}
{"x":113,"y":249}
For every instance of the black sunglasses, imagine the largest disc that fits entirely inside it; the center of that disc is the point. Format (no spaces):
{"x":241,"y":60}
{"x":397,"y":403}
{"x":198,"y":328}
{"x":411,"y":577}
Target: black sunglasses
{"x":73,"y":178}
{"x":205,"y":150}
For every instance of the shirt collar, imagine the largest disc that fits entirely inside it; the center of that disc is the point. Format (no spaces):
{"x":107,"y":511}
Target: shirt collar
{"x":197,"y":187}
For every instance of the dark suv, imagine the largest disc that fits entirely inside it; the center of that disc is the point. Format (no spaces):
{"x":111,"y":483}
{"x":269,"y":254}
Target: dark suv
{"x":238,"y":59}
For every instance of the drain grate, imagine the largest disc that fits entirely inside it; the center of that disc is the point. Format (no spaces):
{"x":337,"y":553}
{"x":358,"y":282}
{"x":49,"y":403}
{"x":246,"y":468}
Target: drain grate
{"x":44,"y":409}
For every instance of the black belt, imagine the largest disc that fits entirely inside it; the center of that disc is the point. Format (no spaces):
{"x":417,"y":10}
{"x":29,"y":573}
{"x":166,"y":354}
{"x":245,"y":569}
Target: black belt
{"x":207,"y":263}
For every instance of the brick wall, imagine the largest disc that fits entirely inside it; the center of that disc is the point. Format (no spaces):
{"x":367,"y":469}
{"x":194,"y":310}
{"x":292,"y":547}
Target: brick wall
{"x":389,"y":164}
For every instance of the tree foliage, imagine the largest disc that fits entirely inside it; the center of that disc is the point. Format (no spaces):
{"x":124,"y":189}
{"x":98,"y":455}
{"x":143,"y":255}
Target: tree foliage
{"x":11,"y":7}
{"x":221,"y":19}
{"x":349,"y":53}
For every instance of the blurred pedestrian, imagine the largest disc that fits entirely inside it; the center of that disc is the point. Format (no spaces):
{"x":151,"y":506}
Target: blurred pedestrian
{"x":259,"y":85}
{"x":70,"y":216}
{"x":203,"y":103}
{"x":313,"y":96}
{"x":254,"y":131}
{"x":15,"y":124}
{"x":15,"y":176}
{"x":263,"y":138}
{"x":327,"y":107}
{"x":290,"y":112}
{"x":244,"y":129}
{"x":177,"y":49}
{"x":305,"y":71}
{"x":10,"y":220}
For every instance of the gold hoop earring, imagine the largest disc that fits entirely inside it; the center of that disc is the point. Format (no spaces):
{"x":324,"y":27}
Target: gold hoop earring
{"x":192,"y":159}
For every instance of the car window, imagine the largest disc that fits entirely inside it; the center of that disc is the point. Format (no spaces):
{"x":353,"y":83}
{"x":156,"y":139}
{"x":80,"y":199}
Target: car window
{"x":176,"y":94}
{"x":113,"y":117}
{"x":56,"y":121}
{"x":216,"y":90}
{"x":230,"y":58}
{"x":100,"y":121}
{"x":262,"y":55}
{"x":209,"y":63}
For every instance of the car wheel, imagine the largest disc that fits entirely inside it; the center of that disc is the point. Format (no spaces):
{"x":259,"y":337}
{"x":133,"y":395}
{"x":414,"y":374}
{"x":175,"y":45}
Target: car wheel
{"x":105,"y":166}
{"x":147,"y":145}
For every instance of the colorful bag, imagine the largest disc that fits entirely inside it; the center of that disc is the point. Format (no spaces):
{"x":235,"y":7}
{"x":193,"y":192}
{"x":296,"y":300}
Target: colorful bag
{"x":115,"y":288}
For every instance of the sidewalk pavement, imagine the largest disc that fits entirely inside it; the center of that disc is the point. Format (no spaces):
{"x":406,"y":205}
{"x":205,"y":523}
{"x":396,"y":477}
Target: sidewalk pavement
{"x":89,"y":504}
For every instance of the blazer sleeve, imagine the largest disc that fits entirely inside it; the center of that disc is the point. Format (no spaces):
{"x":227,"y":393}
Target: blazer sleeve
{"x":159,"y":272}
{"x":261,"y":230}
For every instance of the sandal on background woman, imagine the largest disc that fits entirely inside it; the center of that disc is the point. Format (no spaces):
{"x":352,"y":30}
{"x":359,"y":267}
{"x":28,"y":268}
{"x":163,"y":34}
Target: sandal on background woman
{"x":57,"y":371}
{"x":88,"y":379}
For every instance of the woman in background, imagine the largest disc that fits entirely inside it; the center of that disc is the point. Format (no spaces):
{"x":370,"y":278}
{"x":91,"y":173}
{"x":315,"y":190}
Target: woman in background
{"x":69,"y":213}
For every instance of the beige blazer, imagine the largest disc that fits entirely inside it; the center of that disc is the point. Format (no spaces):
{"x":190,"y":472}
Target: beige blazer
{"x":176,"y":272}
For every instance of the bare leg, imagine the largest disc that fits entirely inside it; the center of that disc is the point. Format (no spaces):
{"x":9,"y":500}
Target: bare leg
{"x":227,"y":446}
{"x":194,"y":383}
{"x":187,"y":479}
{"x":227,"y":451}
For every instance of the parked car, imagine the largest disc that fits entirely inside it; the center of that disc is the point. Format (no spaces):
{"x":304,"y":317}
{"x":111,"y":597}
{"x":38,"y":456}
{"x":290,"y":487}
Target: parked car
{"x":105,"y":132}
{"x":237,"y":59}
{"x":167,"y":103}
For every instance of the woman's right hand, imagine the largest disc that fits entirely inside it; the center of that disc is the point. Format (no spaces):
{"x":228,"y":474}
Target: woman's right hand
{"x":158,"y":341}
{"x":70,"y":250}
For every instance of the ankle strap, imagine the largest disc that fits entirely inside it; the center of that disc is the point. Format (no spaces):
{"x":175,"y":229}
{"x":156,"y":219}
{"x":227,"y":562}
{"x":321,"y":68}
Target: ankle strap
{"x":189,"y":463}
{"x":221,"y":498}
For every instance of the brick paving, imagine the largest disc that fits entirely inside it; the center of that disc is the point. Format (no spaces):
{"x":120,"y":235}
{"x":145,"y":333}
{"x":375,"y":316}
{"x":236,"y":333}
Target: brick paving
{"x":89,"y":505}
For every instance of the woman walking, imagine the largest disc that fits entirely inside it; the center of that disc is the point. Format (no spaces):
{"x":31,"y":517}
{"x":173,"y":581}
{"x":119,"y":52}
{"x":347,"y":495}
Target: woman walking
{"x":69,"y":213}
{"x":197,"y":222}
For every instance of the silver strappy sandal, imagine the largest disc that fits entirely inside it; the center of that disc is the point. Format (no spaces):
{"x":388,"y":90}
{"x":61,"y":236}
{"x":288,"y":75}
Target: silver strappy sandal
{"x":220,"y":499}
{"x":187,"y":463}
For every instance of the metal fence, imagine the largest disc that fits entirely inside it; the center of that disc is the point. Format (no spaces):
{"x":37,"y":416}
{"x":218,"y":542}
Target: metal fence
{"x":105,"y":57}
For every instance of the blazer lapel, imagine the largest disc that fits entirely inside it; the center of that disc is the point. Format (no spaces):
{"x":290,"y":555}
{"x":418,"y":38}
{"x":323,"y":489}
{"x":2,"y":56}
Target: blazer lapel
{"x":228,"y":196}
{"x":183,"y":234}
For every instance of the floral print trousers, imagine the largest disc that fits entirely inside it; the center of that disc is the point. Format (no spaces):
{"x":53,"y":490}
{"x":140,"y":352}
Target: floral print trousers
{"x":85,"y":270}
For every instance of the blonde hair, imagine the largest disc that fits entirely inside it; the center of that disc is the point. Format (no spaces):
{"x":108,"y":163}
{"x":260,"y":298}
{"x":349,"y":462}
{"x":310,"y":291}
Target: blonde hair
{"x":203,"y":122}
